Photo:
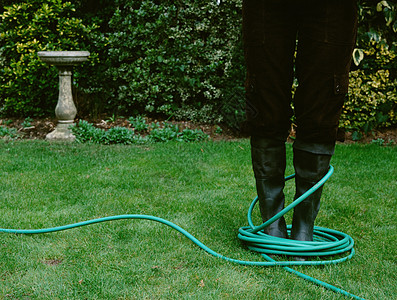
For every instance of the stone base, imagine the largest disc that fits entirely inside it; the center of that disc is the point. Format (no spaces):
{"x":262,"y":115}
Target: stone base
{"x":61,"y":133}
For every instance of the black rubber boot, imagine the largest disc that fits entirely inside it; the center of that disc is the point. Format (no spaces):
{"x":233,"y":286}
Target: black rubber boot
{"x":268,"y":161}
{"x":309,"y":169}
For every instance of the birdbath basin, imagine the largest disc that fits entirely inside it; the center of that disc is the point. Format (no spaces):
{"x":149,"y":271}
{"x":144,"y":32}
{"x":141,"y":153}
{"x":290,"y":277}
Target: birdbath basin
{"x":64,"y":58}
{"x":65,"y":110}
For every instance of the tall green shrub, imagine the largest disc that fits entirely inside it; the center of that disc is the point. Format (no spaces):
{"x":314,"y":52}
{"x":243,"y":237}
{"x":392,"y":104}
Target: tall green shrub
{"x":179,"y":58}
{"x":27,"y":86}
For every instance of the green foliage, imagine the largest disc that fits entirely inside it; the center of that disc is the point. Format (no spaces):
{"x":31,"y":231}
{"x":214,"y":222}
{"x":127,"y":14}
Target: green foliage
{"x":170,"y":132}
{"x":87,"y":133}
{"x":377,"y":25}
{"x":27,"y":122}
{"x":379,"y":142}
{"x":138,"y":123}
{"x":171,"y":57}
{"x":356,"y":136}
{"x":372,"y":101}
{"x":6,"y":132}
{"x":372,"y":98}
{"x":193,"y":135}
{"x":378,"y":21}
{"x":119,"y":135}
{"x":27,"y":85}
{"x":218,"y":130}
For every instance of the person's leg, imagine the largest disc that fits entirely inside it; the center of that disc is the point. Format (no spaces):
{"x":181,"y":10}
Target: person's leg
{"x":326,"y":39}
{"x":269,"y":32}
{"x":326,"y":34}
{"x":269,"y":44}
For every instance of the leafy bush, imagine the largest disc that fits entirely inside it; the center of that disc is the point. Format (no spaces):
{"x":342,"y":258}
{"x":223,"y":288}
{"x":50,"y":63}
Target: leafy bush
{"x":372,"y":97}
{"x":172,"y":57}
{"x":27,"y":85}
{"x":377,"y":26}
{"x":372,"y":101}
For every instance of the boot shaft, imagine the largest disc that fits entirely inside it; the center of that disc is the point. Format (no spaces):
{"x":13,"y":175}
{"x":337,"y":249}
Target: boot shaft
{"x":269,"y":162}
{"x":309,"y":169}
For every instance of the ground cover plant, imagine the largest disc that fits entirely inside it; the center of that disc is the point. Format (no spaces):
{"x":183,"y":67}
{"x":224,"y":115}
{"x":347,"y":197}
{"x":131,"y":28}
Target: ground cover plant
{"x":87,"y":133}
{"x":205,"y":187}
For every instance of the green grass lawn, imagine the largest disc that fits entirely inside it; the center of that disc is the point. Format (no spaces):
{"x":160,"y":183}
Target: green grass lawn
{"x":205,"y":188}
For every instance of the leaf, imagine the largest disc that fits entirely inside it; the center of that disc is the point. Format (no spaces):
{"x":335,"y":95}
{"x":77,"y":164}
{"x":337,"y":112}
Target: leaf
{"x":358,"y":56}
{"x":381,"y":4}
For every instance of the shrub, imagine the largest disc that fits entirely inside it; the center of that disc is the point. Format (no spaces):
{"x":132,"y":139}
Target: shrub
{"x":174,"y":57}
{"x":372,"y":101}
{"x":27,"y":85}
{"x":372,"y":97}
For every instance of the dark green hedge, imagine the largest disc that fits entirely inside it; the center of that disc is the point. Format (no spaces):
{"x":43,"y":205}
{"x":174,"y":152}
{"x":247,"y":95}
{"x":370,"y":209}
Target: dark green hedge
{"x":170,"y":58}
{"x":175,"y":57}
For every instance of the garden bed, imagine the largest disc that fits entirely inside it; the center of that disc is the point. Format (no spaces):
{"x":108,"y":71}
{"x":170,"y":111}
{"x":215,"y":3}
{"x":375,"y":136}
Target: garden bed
{"x":39,"y":128}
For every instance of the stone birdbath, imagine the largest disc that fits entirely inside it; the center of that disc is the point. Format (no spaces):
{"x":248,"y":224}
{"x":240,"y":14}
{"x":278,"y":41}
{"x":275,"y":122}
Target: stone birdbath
{"x":65,"y":110}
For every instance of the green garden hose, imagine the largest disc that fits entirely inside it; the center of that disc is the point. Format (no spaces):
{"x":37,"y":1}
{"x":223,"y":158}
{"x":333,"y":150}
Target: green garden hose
{"x":326,"y":242}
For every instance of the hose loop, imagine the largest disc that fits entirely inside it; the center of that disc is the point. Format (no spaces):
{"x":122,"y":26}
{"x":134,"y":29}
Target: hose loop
{"x":326,"y":242}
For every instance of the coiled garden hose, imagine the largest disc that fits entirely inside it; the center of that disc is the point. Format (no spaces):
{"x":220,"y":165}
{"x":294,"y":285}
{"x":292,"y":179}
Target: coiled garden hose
{"x":326,"y":242}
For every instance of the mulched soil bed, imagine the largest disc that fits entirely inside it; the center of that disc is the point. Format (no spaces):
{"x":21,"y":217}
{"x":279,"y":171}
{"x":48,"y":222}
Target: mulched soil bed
{"x":39,"y":128}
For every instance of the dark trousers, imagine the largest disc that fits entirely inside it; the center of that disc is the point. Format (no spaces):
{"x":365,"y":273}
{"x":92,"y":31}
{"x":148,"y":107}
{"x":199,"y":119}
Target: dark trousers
{"x":326,"y":34}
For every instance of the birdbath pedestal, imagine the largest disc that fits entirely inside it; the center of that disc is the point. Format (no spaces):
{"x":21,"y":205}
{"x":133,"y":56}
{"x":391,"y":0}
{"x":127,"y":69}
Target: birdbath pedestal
{"x":65,"y":110}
